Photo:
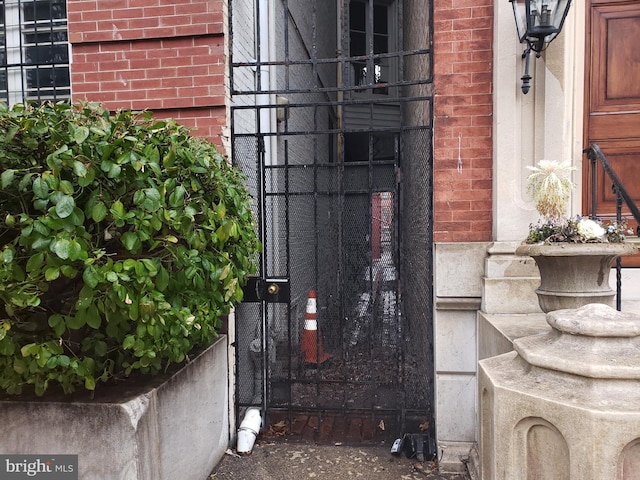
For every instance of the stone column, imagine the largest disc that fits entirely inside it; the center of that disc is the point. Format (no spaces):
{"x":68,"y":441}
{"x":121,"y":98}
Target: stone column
{"x":564,"y":404}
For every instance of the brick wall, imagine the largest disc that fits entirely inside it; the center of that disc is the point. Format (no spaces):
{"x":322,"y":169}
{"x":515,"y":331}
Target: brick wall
{"x":463,"y":37}
{"x":151,"y":54}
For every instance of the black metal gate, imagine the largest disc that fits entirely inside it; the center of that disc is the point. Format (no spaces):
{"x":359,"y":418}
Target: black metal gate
{"x":332,"y":126}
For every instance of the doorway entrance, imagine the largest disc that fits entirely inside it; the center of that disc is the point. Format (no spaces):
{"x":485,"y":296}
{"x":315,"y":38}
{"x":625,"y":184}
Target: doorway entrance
{"x":612,"y":104}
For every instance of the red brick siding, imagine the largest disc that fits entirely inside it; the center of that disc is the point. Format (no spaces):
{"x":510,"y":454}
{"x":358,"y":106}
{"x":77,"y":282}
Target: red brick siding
{"x":205,"y":122}
{"x":150,"y":54}
{"x":115,"y":20}
{"x":463,"y":36}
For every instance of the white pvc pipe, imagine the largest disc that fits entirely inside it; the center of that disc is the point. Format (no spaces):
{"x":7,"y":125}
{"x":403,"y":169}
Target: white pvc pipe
{"x":248,"y":431}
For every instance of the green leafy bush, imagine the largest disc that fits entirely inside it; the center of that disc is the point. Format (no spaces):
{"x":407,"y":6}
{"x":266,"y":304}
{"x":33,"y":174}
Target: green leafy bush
{"x":123,"y":242}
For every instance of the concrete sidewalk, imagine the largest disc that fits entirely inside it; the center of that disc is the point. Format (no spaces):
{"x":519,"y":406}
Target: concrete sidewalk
{"x":295,"y":461}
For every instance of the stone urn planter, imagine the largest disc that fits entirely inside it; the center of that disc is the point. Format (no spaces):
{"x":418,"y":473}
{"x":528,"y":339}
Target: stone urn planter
{"x":574,"y":274}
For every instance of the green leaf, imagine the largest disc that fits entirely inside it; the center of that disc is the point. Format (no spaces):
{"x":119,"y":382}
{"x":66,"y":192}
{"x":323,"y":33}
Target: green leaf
{"x":117,"y":209}
{"x":35,"y":262}
{"x":7,"y":347}
{"x":62,"y":149}
{"x":91,"y":277}
{"x":129,"y":263}
{"x":8,"y":255}
{"x":80,"y":135}
{"x":152,"y":199}
{"x":40,"y":387}
{"x":138,"y":197}
{"x":68,"y":271}
{"x":25,"y":181}
{"x":89,"y":382}
{"x":85,"y":298}
{"x":43,"y":356}
{"x":7,"y":177}
{"x":114,"y":171}
{"x":86,"y":180}
{"x":65,"y":206}
{"x":225,"y":271}
{"x":141,"y":330}
{"x":93,"y":317}
{"x":98,"y":131}
{"x":76,"y":218}
{"x":169,"y":159}
{"x":79,"y":168}
{"x":56,"y":321}
{"x":66,"y":187}
{"x":40,"y":188}
{"x":41,"y":243}
{"x":150,"y":265}
{"x":61,"y":248}
{"x":101,"y":348}
{"x":40,"y":204}
{"x":176,"y":199}
{"x":99,"y":212}
{"x":30,"y":349}
{"x":162,"y":279}
{"x":130,"y":241}
{"x":222,"y":233}
{"x":11,"y":132}
{"x":128,"y":342}
{"x":221,"y":210}
{"x":77,"y":321}
{"x":20,"y":366}
{"x":134,"y":310}
{"x":51,"y":274}
{"x":75,"y":250}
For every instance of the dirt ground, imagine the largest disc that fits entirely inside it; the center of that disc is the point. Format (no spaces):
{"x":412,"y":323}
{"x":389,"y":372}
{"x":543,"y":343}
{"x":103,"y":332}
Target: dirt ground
{"x":294,"y":461}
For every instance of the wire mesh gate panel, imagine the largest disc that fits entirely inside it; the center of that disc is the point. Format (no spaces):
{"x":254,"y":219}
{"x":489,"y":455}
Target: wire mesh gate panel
{"x":331,"y":121}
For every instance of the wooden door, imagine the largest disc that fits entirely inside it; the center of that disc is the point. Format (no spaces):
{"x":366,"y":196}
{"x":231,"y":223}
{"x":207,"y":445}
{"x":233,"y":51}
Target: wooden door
{"x":612,"y":100}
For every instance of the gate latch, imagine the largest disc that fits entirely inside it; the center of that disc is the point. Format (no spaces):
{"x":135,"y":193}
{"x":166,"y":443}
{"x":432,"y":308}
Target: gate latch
{"x":270,"y":290}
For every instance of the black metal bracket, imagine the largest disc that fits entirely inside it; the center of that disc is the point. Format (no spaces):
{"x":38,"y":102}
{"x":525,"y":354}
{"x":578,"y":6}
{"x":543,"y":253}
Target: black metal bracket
{"x":270,"y":290}
{"x":526,"y":78}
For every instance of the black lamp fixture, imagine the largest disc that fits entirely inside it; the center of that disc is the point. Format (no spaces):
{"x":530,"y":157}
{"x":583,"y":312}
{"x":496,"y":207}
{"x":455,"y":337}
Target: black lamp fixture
{"x":538,"y":23}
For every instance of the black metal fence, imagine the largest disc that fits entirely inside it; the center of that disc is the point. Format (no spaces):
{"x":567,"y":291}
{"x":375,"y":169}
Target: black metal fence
{"x":340,"y":167}
{"x":595,"y":155}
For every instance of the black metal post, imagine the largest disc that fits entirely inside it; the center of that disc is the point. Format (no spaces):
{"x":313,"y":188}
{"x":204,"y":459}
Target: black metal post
{"x":619,"y":259}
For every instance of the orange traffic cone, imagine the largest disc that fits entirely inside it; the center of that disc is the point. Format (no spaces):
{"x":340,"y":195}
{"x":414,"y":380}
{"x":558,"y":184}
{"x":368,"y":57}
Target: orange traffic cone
{"x":311,"y":343}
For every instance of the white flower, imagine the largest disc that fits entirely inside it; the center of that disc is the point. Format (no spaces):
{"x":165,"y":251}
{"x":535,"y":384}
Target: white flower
{"x":550,"y":186}
{"x":590,"y":229}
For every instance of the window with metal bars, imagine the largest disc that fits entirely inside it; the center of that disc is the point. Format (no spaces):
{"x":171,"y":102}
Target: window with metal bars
{"x":34,"y":51}
{"x":371,"y":34}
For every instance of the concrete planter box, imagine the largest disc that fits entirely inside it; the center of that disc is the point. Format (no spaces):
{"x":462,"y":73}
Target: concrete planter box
{"x":173,"y":427}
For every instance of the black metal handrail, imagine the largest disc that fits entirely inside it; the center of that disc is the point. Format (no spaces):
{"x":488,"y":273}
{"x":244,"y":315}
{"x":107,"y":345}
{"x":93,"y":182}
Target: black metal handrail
{"x":594,"y":154}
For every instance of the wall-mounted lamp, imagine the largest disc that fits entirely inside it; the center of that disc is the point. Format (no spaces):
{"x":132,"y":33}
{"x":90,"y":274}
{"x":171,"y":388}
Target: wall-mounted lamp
{"x":538,"y":23}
